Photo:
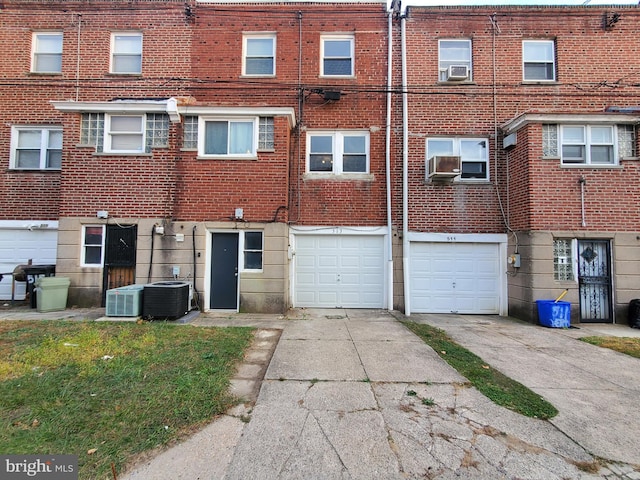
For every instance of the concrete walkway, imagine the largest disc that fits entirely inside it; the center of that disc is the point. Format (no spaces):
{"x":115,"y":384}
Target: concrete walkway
{"x":352,"y":394}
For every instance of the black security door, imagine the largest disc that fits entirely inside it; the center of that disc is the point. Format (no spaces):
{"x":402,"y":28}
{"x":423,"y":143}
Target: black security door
{"x":594,"y":279}
{"x":224,"y":271}
{"x":119,"y":257}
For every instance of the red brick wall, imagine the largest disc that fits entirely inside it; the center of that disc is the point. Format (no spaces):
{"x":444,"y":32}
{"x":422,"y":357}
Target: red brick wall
{"x":596,"y":68}
{"x":86,"y":180}
{"x":217,"y":56}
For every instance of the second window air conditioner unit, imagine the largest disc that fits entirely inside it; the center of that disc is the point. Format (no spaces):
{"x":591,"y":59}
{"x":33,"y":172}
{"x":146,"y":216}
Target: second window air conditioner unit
{"x":457,"y":72}
{"x":441,"y":166}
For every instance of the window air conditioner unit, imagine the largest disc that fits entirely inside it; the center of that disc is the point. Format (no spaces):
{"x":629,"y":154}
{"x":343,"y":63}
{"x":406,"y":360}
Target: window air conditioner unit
{"x":457,"y":72}
{"x":444,"y":166}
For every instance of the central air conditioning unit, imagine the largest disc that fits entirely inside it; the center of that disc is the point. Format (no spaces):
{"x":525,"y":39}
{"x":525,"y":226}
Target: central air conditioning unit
{"x":444,"y":167}
{"x":166,"y":300}
{"x":457,"y":72}
{"x":124,"y":301}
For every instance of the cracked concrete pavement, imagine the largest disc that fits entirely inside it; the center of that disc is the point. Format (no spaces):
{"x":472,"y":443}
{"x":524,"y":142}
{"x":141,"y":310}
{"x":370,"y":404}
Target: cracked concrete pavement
{"x":352,"y":394}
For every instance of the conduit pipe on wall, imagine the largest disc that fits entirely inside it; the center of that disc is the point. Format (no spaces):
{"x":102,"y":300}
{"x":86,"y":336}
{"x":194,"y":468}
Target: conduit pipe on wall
{"x":388,"y":161}
{"x":405,"y":168}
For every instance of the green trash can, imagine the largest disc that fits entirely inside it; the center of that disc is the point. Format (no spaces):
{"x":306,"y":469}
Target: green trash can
{"x":51,"y":293}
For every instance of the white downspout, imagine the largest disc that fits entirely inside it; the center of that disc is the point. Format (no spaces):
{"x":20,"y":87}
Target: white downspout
{"x":388,"y":165}
{"x":405,"y":171}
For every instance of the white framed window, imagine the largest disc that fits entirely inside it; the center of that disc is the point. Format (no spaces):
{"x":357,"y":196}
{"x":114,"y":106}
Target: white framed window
{"x":588,"y":144}
{"x":47,"y":52}
{"x":454,"y":53}
{"x":337,"y":56}
{"x":36,"y":148}
{"x":338,"y":152}
{"x":228,"y":137}
{"x":124,"y":133}
{"x":259,"y":55}
{"x":563,"y":265}
{"x":538,"y":60}
{"x":126,"y":53}
{"x":92,"y":251}
{"x":473,"y":153}
{"x":252,"y":250}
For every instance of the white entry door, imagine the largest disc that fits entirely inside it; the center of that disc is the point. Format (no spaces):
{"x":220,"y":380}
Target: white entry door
{"x":455,"y":278}
{"x":339,"y":271}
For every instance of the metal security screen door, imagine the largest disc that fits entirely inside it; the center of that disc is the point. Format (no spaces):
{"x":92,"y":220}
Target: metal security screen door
{"x":119,"y":257}
{"x":594,"y":279}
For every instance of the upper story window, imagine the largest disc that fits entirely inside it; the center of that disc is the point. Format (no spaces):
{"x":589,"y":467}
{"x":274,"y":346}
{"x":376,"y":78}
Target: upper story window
{"x":473,"y":153}
{"x":47,"y":52}
{"x":538,"y":60}
{"x":259,"y":55}
{"x":454,"y":60}
{"x":126,"y":53}
{"x":588,"y":144}
{"x":36,"y":148}
{"x":338,"y":152}
{"x":116,"y":134}
{"x":337,"y":56}
{"x":124,"y":134}
{"x":92,"y":252}
{"x":266,"y":133}
{"x":225,"y":138}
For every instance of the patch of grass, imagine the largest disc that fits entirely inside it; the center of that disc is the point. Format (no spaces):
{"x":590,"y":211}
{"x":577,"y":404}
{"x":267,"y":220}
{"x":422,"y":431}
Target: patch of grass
{"x":628,"y":346}
{"x":118,"y":388}
{"x":494,"y":385}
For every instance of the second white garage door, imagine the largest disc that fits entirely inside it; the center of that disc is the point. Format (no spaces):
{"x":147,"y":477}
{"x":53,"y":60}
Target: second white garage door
{"x":339,"y":271}
{"x":455,"y":278}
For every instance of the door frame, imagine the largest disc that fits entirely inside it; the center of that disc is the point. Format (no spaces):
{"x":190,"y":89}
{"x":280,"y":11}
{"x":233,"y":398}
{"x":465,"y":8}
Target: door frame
{"x":208,"y":263}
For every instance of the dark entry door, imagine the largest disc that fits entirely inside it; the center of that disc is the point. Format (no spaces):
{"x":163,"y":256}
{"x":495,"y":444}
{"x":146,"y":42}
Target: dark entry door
{"x":119,"y":257}
{"x":224,"y":271}
{"x":594,"y":279}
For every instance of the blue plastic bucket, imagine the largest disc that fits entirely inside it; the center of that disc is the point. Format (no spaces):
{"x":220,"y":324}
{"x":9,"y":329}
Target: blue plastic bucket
{"x":554,"y":314}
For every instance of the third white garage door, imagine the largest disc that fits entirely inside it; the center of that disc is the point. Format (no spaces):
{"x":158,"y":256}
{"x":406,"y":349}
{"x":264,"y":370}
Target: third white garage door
{"x":455,"y":278}
{"x":344,"y":271}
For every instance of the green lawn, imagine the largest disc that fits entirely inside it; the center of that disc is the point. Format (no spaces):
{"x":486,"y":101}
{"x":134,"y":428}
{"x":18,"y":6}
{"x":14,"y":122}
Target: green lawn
{"x":499,"y":388}
{"x":627,"y":345}
{"x":107,"y":391}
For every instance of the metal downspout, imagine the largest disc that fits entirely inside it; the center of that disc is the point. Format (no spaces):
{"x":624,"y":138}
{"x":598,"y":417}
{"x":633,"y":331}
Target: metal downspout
{"x":388,"y":164}
{"x":405,"y":171}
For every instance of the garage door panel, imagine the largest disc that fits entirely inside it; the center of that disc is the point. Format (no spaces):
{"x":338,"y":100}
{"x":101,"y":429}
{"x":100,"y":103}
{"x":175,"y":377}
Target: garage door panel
{"x":18,"y":246}
{"x":348,"y":271}
{"x":455,"y":277}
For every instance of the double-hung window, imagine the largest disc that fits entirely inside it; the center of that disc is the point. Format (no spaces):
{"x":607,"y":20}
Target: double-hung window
{"x":338,"y":153}
{"x":92,"y":252}
{"x":36,"y":148}
{"x":124,"y":134}
{"x":252,"y":250}
{"x":473,"y":153}
{"x":337,"y":56}
{"x":259,"y":55}
{"x":126,"y":53}
{"x":588,"y":144}
{"x":47,"y":52}
{"x":538,"y":60}
{"x":454,"y":59}
{"x":225,"y":138}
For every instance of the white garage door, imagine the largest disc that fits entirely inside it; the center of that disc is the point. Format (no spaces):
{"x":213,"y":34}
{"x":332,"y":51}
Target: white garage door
{"x":339,"y":271}
{"x":17,"y":247}
{"x":455,"y":278}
